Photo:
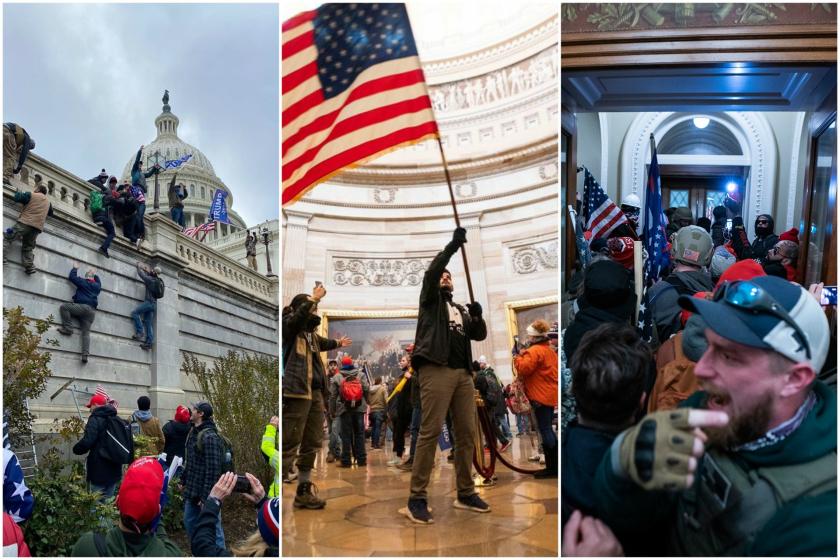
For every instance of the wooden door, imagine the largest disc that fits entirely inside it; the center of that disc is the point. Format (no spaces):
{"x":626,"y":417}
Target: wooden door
{"x":568,"y":196}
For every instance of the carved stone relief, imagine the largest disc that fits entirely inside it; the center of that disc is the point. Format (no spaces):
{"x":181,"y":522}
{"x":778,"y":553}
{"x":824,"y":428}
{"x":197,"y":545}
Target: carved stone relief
{"x":390,"y":272}
{"x":536,"y":257}
{"x":385,"y":196}
{"x":466,"y":190}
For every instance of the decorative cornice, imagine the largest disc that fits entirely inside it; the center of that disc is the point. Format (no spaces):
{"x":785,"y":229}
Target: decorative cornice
{"x":535,"y":257}
{"x":378,"y":272}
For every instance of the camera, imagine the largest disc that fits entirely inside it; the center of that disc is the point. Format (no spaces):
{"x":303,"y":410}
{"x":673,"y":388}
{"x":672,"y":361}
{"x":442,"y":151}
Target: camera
{"x":243,"y":485}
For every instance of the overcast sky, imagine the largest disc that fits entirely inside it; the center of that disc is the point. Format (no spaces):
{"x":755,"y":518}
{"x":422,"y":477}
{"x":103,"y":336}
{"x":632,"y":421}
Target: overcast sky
{"x":86,"y":81}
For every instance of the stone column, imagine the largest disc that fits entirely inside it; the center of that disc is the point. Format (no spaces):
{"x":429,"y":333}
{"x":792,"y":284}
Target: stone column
{"x":294,"y":254}
{"x":475,"y":258}
{"x":165,"y":381}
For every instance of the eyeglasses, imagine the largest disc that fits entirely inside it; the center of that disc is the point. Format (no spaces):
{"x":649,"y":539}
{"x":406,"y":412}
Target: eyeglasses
{"x":749,"y":296}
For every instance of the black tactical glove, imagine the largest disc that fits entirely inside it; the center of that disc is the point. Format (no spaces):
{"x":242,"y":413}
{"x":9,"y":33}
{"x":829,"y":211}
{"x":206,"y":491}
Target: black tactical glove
{"x":459,"y":236}
{"x":474,"y":308}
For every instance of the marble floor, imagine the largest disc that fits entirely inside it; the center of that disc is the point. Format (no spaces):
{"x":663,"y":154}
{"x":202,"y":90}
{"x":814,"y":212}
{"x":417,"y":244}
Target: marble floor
{"x":361,"y":517}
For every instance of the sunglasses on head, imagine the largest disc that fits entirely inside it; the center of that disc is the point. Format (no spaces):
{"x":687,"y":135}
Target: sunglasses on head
{"x":749,"y":296}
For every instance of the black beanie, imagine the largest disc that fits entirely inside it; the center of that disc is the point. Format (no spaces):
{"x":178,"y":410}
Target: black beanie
{"x":719,"y":212}
{"x":144,"y":403}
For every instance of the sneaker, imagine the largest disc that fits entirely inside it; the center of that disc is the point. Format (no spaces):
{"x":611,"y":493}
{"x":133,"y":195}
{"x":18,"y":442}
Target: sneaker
{"x":504,"y":448}
{"x":138,"y":337}
{"x":534,"y":457}
{"x":65,"y":331}
{"x":472,"y":503}
{"x":451,"y":458}
{"x":418,"y":511}
{"x":306,"y":497}
{"x":330,"y":457}
{"x":138,"y":244}
{"x":542,"y":459}
{"x":84,"y":358}
{"x":30,"y":271}
{"x":146,"y":346}
{"x":407,"y":466}
{"x":519,"y":434}
{"x":104,"y":252}
{"x":395,"y":461}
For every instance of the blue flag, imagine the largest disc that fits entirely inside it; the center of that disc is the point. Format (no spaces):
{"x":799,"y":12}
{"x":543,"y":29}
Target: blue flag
{"x":656,"y":243}
{"x":175,"y":163}
{"x":218,"y":208}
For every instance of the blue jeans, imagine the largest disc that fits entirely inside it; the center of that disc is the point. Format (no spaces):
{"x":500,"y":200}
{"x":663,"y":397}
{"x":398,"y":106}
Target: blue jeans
{"x":523,"y":423}
{"x":110,"y":232}
{"x":335,"y":437}
{"x":191,"y":513}
{"x":502,"y":419}
{"x":177,"y":215}
{"x":139,"y":223}
{"x":353,"y":436}
{"x":544,"y":415}
{"x":107,"y":491}
{"x":146,"y":312}
{"x":416,"y":416}
{"x":376,"y":419}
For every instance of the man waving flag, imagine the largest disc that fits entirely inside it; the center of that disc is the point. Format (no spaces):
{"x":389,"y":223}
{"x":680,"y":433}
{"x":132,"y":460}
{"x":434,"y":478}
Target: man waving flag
{"x":353,"y":89}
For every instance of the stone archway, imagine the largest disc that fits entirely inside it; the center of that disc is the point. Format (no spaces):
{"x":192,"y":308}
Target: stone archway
{"x":752,"y":131}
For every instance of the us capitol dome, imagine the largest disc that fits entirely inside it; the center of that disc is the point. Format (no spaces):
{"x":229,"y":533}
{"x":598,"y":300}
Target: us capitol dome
{"x":197,"y":174}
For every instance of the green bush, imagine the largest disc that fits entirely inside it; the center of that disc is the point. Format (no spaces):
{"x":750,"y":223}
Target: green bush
{"x":64,"y":509}
{"x":25,"y":369}
{"x":145,"y":446}
{"x":244,"y":390}
{"x":173,"y":513}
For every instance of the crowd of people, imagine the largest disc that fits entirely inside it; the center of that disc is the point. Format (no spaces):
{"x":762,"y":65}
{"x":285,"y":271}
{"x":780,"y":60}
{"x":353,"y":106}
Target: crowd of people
{"x":705,"y":423}
{"x":192,"y":452}
{"x":436,"y":388}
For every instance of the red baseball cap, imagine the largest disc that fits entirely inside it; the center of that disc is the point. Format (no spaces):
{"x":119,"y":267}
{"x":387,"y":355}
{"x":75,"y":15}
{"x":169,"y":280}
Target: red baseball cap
{"x":139,"y":496}
{"x":182,"y":414}
{"x":97,"y":400}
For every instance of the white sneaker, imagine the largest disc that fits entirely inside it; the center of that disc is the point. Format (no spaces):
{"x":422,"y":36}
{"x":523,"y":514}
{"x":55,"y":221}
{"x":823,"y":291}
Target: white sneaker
{"x":542,"y":459}
{"x":534,"y":457}
{"x":395,"y":461}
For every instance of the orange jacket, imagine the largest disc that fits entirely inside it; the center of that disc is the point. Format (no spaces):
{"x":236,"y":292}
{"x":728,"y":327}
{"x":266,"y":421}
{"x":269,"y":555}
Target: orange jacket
{"x":537,"y":367}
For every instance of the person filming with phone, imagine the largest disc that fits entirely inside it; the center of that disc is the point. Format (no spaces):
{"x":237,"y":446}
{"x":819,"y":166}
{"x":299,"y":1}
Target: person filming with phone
{"x":304,"y":387}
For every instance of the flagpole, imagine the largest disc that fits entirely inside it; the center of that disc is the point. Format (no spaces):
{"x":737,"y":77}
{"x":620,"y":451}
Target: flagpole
{"x":457,"y":219}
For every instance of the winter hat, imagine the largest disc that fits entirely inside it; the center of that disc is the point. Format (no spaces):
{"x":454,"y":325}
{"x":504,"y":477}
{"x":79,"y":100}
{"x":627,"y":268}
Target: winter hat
{"x":607,"y":284}
{"x":741,"y":270}
{"x":103,"y":174}
{"x":144,"y":403}
{"x":139,"y":496}
{"x":682,"y":213}
{"x":268,"y":521}
{"x":719,"y":212}
{"x":182,"y":414}
{"x":97,"y":400}
{"x":539,"y":327}
{"x":482,"y":359}
{"x":112,"y":179}
{"x":692,"y":246}
{"x":346,"y":363}
{"x":790,"y":235}
{"x":722,"y":259}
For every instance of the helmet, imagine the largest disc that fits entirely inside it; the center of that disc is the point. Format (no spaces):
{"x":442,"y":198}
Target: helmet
{"x":633,"y":200}
{"x":693,"y":246}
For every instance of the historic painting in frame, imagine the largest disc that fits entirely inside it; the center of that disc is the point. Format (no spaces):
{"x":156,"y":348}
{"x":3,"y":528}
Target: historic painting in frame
{"x":522,"y":313}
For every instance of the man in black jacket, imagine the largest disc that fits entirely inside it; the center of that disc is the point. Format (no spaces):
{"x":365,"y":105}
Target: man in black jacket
{"x":304,"y":387}
{"x":83,"y":308}
{"x":443,"y":358}
{"x":765,"y":239}
{"x":202,"y":467}
{"x":102,"y":474}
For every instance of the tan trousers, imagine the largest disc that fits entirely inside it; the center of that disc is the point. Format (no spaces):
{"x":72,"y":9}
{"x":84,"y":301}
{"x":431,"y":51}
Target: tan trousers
{"x":445,"y":389}
{"x":10,"y":153}
{"x":252,"y":261}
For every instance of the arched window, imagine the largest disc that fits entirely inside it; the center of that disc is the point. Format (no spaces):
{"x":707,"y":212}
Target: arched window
{"x":192,"y":191}
{"x":203,"y":194}
{"x":686,"y":139}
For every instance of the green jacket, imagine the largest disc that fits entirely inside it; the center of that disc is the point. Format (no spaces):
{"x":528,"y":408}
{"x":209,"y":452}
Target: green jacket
{"x":119,"y":544}
{"x":806,"y":526}
{"x":269,"y":448}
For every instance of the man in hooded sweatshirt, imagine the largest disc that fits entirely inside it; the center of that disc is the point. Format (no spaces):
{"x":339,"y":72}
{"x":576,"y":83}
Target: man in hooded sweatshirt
{"x":102,"y":474}
{"x":83,"y":308}
{"x":765,"y":239}
{"x":148,"y":425}
{"x":30,"y":223}
{"x":691,"y":252}
{"x":304,"y":384}
{"x":348,"y":401}
{"x":608,"y":297}
{"x":175,"y":434}
{"x":16,"y":147}
{"x":144,"y":314}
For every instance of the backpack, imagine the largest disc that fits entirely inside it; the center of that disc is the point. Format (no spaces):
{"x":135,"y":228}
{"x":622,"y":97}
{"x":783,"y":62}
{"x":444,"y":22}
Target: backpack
{"x":96,"y":204}
{"x":117,"y":445}
{"x":494,"y":390}
{"x":157,"y":287}
{"x":227,"y":448}
{"x":518,"y":401}
{"x":351,"y":392}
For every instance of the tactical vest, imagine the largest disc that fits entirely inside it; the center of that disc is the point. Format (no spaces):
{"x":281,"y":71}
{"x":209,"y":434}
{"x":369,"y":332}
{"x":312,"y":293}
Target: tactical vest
{"x":721,"y":514}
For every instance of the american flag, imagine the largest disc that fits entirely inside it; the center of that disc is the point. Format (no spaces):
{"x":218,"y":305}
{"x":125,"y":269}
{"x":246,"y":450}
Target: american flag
{"x":658,"y":258}
{"x":599,"y":212}
{"x":193,"y":231}
{"x":100,"y":390}
{"x":353,"y":89}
